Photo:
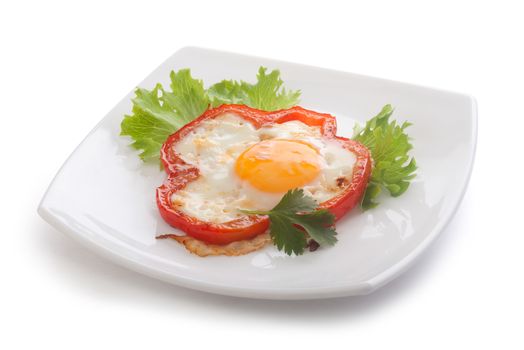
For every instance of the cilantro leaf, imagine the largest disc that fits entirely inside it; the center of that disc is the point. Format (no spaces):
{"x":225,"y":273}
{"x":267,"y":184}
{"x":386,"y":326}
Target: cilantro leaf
{"x":294,"y":218}
{"x":389,"y":146}
{"x":318,"y":224}
{"x":158,"y":113}
{"x":295,"y":201}
{"x":285,"y":235}
{"x":267,"y":94}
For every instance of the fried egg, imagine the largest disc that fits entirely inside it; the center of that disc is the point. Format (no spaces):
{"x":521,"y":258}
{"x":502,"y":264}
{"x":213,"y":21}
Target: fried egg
{"x":242,"y":167}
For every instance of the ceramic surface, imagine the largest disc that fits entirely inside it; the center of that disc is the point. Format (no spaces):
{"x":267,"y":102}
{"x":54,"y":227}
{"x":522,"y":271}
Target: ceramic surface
{"x":104,"y":196}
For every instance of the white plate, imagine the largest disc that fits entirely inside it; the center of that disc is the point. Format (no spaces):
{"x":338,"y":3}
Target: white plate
{"x":104,"y":197}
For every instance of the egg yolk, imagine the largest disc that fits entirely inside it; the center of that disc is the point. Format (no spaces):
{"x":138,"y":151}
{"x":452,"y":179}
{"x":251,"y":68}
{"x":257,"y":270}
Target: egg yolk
{"x":278,"y":165}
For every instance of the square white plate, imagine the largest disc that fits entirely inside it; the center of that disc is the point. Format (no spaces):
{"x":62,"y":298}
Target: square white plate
{"x":104,"y":196}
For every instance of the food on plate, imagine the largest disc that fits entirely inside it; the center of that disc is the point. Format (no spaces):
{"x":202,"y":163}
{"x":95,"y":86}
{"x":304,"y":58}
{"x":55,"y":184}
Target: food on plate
{"x":158,"y":113}
{"x":246,"y":166}
{"x":389,"y":144}
{"x":235,"y":248}
{"x":235,"y":158}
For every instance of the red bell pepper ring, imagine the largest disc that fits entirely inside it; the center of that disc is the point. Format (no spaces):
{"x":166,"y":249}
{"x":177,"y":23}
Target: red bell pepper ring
{"x":179,"y":174}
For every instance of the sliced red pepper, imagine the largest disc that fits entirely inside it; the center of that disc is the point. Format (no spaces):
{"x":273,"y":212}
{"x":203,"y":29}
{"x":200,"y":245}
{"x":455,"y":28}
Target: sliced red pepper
{"x":179,"y":174}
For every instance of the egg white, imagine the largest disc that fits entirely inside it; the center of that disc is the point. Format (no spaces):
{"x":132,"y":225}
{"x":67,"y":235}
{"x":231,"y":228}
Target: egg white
{"x":213,"y":148}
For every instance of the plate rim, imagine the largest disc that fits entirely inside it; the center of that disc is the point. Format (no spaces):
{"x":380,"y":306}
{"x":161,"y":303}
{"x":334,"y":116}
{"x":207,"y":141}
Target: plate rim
{"x":271,"y":293}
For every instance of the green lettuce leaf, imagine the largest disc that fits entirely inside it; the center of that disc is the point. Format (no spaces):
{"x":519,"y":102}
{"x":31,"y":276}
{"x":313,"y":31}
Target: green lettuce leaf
{"x":389,"y":145}
{"x":227,"y":92}
{"x":158,"y":113}
{"x":267,"y":94}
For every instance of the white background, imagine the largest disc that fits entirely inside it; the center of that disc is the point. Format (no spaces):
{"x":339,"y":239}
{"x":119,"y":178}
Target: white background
{"x":64,"y":65}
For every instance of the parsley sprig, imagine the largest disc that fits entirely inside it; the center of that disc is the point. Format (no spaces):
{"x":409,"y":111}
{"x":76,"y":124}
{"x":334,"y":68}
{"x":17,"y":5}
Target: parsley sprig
{"x":295,"y":218}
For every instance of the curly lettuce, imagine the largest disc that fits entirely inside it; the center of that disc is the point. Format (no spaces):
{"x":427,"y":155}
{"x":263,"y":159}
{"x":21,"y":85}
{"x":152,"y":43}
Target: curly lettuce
{"x":389,"y":145}
{"x":158,"y":113}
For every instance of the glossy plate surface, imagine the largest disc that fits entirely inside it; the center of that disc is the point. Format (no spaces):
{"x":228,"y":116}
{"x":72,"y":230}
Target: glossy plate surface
{"x":104,"y":196}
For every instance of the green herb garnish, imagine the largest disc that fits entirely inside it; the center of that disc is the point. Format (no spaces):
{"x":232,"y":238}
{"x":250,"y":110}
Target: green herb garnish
{"x":297,"y":209}
{"x":389,"y":145}
{"x":267,"y":94}
{"x":158,"y":113}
